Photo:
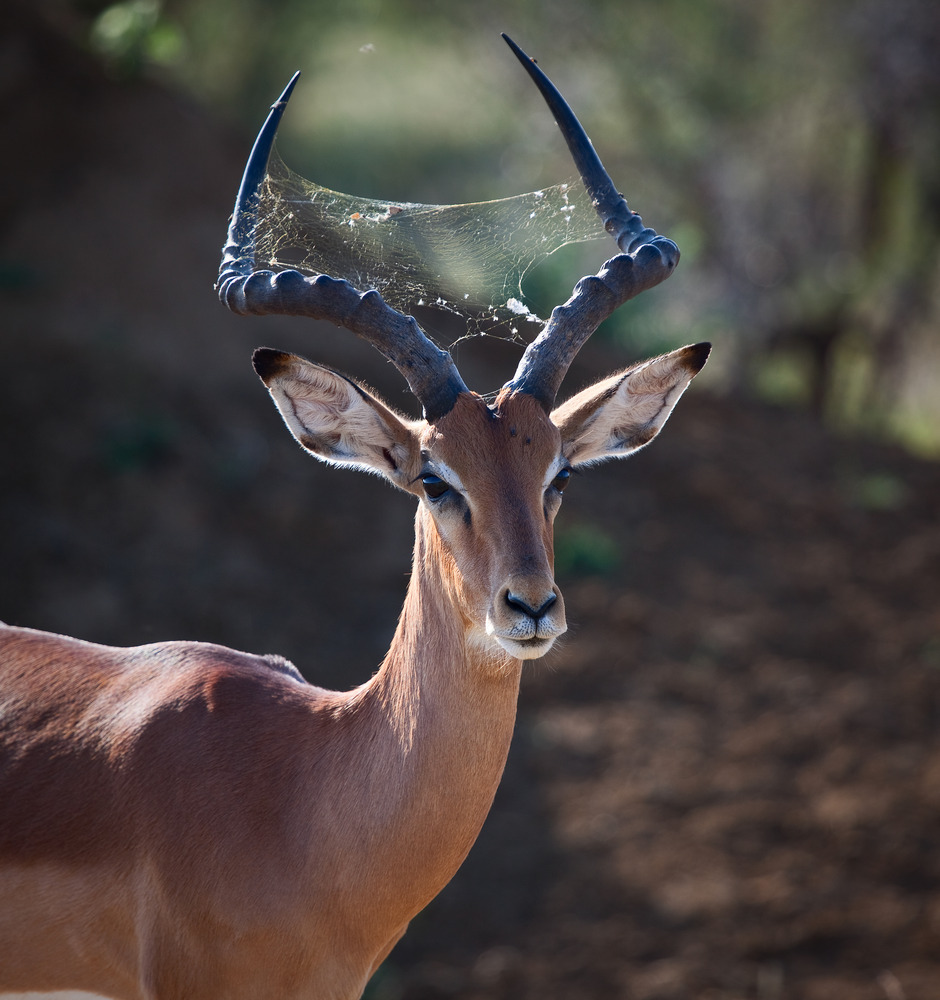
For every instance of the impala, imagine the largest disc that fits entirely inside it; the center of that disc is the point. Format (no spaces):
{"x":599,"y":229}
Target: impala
{"x":181,"y":820}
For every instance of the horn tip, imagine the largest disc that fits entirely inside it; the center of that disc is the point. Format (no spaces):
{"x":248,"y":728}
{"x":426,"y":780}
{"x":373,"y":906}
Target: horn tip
{"x":288,"y":90}
{"x":515,"y":48}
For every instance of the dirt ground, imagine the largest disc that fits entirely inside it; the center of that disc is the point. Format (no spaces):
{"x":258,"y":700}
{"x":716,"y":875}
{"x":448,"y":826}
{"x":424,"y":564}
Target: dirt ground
{"x":726,"y":784}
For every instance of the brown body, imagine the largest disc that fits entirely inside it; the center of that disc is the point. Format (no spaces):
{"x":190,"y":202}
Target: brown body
{"x":188,"y":821}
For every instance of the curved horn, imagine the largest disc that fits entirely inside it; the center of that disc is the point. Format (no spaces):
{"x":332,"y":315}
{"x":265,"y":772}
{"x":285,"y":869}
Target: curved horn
{"x":430,"y":372}
{"x":238,"y":254}
{"x":622,"y":223}
{"x":645,"y":261}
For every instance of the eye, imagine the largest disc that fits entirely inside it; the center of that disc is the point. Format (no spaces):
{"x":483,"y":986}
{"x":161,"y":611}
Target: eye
{"x":434,"y":487}
{"x":561,"y":480}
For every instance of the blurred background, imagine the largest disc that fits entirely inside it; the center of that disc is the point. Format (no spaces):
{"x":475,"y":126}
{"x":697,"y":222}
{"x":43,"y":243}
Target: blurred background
{"x":727,"y":783}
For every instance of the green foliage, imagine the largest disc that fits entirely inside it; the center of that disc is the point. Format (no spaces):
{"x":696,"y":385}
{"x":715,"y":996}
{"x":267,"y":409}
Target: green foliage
{"x":878,"y":491}
{"x":584,"y":550}
{"x":132,"y":34}
{"x":792,"y":149}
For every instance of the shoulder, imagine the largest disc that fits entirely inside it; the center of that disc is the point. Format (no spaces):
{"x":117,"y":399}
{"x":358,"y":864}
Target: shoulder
{"x":219,"y":676}
{"x":189,"y":701}
{"x":211,"y":656}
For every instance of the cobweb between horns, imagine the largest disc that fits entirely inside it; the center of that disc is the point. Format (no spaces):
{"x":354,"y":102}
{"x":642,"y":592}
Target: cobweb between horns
{"x":465,"y":259}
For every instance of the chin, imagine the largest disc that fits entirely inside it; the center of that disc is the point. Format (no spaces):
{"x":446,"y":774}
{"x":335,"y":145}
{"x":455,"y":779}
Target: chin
{"x":526,"y":649}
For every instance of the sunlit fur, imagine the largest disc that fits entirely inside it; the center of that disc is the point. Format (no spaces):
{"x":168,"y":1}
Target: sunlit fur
{"x":184,"y":821}
{"x":498,"y":533}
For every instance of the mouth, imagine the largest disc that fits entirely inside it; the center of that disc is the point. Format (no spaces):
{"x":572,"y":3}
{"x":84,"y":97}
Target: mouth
{"x":523,"y":636}
{"x":526,"y":649}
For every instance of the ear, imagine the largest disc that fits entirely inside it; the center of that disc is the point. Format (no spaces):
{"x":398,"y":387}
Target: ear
{"x":619,"y":415}
{"x":337,"y":420}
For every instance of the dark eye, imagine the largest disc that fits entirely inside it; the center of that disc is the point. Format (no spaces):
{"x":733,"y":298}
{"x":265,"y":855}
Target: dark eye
{"x":434,"y":487}
{"x":561,"y":480}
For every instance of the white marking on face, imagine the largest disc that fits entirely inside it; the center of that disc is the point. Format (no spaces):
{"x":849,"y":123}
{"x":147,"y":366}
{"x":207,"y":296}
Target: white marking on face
{"x":553,"y":470}
{"x":443,"y":471}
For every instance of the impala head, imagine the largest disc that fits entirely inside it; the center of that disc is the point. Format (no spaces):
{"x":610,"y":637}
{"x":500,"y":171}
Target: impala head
{"x":489,"y":477}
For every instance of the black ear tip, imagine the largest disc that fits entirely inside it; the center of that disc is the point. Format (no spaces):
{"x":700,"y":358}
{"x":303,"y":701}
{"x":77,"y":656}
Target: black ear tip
{"x":696,"y":356}
{"x":269,"y":363}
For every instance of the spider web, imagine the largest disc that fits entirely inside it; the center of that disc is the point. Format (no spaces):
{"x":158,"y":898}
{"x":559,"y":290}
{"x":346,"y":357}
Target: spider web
{"x":465,"y":259}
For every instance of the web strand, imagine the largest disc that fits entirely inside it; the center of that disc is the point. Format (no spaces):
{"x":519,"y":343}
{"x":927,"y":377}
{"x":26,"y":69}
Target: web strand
{"x":469,"y":259}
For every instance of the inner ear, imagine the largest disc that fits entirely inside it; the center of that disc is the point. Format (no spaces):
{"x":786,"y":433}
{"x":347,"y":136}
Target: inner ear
{"x":621,"y":414}
{"x":338,"y":420}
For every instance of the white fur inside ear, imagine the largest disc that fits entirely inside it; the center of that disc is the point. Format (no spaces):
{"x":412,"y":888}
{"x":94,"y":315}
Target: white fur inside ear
{"x":339,"y":422}
{"x":643,"y":403}
{"x":321,"y":408}
{"x":623,"y":413}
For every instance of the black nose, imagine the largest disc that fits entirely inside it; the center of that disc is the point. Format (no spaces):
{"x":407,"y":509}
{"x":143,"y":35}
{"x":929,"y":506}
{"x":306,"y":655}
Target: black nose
{"x":520,"y":605}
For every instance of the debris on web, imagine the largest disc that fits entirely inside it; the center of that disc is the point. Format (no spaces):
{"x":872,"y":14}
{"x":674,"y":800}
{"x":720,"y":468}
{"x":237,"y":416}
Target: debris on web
{"x":469,"y":260}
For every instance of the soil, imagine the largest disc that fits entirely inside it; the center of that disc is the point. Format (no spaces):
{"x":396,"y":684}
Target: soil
{"x":726,"y":784}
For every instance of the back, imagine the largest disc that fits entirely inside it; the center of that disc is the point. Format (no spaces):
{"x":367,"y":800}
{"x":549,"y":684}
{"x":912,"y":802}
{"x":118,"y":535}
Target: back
{"x":74,"y":717}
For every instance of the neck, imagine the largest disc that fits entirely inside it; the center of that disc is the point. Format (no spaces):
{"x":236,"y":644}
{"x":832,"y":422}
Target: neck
{"x":441,"y":712}
{"x":437,"y":663}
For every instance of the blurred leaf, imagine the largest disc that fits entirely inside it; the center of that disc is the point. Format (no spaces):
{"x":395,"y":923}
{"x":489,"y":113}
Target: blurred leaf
{"x":584,"y":550}
{"x":878,"y":491}
{"x":131,"y":34}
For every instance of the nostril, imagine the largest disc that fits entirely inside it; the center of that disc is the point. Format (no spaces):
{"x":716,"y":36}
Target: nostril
{"x":514,"y":601}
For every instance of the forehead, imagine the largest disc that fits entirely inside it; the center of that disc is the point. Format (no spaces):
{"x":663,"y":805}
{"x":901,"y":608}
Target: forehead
{"x":516,"y":433}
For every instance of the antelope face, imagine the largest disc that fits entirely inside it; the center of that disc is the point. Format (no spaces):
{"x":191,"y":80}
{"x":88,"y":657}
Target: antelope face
{"x":491,"y":480}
